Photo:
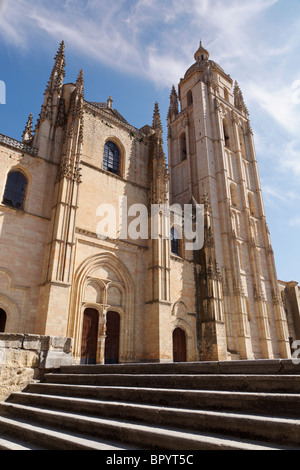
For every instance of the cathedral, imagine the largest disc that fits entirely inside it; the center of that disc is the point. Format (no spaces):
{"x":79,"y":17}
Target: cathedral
{"x":141,"y":299}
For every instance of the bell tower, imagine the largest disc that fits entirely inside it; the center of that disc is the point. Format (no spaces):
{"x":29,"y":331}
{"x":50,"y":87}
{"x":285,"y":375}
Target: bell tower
{"x":212,"y":157}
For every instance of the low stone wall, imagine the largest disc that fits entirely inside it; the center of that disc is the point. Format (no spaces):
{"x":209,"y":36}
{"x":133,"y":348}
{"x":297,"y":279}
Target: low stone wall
{"x":25,"y":358}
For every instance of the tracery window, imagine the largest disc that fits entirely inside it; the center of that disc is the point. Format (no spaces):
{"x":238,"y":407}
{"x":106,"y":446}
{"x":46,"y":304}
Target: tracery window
{"x":111,"y":158}
{"x":15,"y":190}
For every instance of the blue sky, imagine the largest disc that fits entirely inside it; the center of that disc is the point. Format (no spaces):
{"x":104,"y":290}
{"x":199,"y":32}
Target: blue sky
{"x":134,"y":50}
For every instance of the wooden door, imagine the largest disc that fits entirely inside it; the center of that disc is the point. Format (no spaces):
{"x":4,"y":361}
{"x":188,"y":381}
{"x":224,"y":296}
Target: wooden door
{"x":179,"y":345}
{"x":2,"y":320}
{"x":112,"y":340}
{"x":89,"y":336}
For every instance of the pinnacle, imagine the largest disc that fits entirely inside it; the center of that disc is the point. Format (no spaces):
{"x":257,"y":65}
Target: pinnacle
{"x":80,"y":82}
{"x":80,"y":76}
{"x":61,"y":50}
{"x":157,"y":125}
{"x":27,"y":134}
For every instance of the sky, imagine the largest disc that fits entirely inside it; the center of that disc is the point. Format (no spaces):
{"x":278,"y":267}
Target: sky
{"x":134,"y":50}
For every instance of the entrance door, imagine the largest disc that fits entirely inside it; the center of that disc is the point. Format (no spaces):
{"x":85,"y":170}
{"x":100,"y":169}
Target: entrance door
{"x":89,"y":336}
{"x":112,"y":341}
{"x":179,"y":345}
{"x":2,"y":320}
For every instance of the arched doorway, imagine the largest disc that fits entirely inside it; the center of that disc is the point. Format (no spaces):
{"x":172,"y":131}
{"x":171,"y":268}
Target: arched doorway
{"x":179,"y":345}
{"x":112,"y":341}
{"x":3,"y":318}
{"x":89,"y":339}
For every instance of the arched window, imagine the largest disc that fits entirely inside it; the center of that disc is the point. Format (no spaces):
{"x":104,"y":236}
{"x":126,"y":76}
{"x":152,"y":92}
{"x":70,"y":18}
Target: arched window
{"x":175,"y":242}
{"x":15,"y":190}
{"x":2,"y":320}
{"x":189,"y":97}
{"x":226,"y":131}
{"x":183,"y":148}
{"x":111,"y":158}
{"x":242,"y":141}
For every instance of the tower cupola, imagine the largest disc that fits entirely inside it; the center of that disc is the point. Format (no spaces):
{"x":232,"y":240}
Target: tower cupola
{"x":201,"y":54}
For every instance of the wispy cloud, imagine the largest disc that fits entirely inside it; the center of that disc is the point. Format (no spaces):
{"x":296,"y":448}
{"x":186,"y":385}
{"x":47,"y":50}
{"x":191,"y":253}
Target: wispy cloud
{"x":152,"y":38}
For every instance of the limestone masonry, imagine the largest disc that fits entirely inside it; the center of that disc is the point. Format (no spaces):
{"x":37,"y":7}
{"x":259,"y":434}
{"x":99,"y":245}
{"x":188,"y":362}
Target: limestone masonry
{"x":135,"y":300}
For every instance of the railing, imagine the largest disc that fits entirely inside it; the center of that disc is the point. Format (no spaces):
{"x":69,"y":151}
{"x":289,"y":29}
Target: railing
{"x":18,"y":145}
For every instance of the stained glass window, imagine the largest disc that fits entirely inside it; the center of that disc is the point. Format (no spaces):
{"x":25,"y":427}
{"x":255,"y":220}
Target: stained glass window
{"x":15,"y":190}
{"x":111,"y":158}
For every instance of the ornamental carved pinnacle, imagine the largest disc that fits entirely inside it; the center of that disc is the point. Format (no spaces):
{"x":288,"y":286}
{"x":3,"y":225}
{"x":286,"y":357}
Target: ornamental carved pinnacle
{"x":28,"y":134}
{"x":174,"y":107}
{"x":239,"y":102}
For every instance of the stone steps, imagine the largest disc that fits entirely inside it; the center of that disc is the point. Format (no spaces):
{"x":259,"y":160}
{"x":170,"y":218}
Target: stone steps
{"x":273,"y":404}
{"x":143,"y":436}
{"x":23,"y":432}
{"x":248,"y":406}
{"x":10,"y":444}
{"x":241,"y":383}
{"x":287,"y":430}
{"x":263,"y":366}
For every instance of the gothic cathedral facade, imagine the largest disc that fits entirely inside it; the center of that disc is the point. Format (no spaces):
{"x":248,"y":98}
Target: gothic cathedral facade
{"x":143,"y":299}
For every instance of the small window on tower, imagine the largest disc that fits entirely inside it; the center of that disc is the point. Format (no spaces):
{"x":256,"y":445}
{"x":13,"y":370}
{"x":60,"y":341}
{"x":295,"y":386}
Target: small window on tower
{"x":189,"y":98}
{"x":183,"y":148}
{"x":226,"y":134}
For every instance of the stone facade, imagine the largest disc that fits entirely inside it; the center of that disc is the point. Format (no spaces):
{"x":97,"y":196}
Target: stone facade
{"x":57,"y":277}
{"x":24,"y":358}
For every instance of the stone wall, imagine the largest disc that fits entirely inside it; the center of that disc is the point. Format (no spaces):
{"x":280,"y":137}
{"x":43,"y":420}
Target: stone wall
{"x":25,"y":358}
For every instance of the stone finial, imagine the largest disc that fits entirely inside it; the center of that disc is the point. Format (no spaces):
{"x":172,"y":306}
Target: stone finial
{"x":110,"y":102}
{"x":28,"y":134}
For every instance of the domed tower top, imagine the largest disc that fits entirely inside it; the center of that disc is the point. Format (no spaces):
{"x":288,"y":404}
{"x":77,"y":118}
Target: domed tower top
{"x":201,"y":54}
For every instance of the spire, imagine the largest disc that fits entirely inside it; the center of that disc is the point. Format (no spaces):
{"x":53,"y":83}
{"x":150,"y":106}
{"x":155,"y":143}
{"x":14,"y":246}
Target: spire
{"x":239,"y":102}
{"x":157,"y":126}
{"x":201,"y":54}
{"x":173,"y":110}
{"x":158,"y":170}
{"x":58,"y":71}
{"x":27,"y":134}
{"x":53,"y":90}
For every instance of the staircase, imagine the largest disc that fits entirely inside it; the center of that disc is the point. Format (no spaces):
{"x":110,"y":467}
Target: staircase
{"x":245,"y":405}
